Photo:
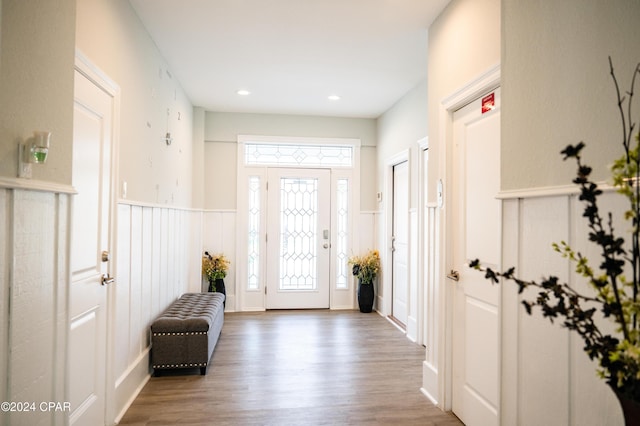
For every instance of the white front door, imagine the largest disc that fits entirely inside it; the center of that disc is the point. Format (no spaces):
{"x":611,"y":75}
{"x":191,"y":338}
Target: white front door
{"x":298,"y":238}
{"x":400,"y":243}
{"x":92,"y":123}
{"x":476,"y":218}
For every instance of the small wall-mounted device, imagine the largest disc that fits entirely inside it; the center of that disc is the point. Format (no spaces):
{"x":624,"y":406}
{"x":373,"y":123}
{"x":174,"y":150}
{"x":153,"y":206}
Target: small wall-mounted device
{"x":34,"y":151}
{"x":440,"y":193}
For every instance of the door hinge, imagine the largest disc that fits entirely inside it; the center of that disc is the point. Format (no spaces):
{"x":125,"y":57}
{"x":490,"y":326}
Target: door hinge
{"x":265,"y":289}
{"x":266,"y":238}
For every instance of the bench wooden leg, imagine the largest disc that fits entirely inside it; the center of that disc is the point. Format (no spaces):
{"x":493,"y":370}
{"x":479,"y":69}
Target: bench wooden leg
{"x":203,"y":371}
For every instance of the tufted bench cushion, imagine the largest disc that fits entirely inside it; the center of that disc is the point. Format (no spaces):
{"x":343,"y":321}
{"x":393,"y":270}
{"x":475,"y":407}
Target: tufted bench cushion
{"x":186,"y":333}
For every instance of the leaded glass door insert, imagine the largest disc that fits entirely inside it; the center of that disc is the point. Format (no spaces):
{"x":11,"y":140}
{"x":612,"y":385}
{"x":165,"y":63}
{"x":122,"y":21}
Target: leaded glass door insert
{"x":298,"y":238}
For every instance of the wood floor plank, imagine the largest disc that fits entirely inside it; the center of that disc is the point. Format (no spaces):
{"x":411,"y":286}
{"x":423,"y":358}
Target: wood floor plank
{"x":312,"y":367}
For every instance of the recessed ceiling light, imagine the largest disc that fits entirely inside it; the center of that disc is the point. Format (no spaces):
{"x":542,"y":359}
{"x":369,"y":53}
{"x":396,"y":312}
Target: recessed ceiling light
{"x":334,"y":97}
{"x":243,"y":92}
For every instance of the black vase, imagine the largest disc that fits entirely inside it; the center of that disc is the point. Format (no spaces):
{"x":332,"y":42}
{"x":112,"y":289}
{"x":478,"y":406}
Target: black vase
{"x":366,"y":295}
{"x":221,"y":289}
{"x":630,"y":408}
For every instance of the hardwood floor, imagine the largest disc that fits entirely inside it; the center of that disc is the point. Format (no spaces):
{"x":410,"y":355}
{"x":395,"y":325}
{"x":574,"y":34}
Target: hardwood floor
{"x":311,"y":367}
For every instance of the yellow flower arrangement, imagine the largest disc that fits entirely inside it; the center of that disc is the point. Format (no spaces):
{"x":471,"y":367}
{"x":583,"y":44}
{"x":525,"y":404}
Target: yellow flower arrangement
{"x":366,"y":267}
{"x":214,"y":267}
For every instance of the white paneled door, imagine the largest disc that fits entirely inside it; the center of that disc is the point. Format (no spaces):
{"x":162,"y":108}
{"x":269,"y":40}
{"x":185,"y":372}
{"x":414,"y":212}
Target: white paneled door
{"x":476,"y":218}
{"x":298,"y":238}
{"x":90,"y":251}
{"x":400,"y":243}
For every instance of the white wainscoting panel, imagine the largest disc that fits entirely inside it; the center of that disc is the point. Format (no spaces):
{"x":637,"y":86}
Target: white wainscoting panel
{"x":431,"y":303}
{"x":154,"y":262}
{"x":546,"y":376}
{"x":544,"y":221}
{"x":219,"y":237}
{"x":34,"y":308}
{"x":414,"y":240}
{"x":367,"y":232}
{"x":592,"y":401}
{"x":194,"y":247}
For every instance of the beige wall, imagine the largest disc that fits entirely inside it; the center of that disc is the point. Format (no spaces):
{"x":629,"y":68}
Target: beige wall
{"x":198,"y":172}
{"x":110,"y":34}
{"x":556,"y":85}
{"x":225,"y":127}
{"x":221,"y":134}
{"x":464,"y":42}
{"x":399,"y":129}
{"x":36,"y":83}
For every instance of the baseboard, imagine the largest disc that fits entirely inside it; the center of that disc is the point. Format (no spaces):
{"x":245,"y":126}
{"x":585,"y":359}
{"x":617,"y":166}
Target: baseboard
{"x":129,"y":385}
{"x":342,"y":308}
{"x":429,"y":397}
{"x":230,"y":303}
{"x":253,"y":309}
{"x":430,"y":382}
{"x":412,"y":329}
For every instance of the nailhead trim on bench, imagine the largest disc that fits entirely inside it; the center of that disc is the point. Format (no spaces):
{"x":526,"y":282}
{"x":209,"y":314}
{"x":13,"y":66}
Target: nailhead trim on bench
{"x":188,"y":333}
{"x":180,"y":365}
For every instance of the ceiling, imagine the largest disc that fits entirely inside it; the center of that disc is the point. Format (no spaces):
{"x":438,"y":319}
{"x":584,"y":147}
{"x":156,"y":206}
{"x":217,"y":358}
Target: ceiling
{"x":292,"y":54}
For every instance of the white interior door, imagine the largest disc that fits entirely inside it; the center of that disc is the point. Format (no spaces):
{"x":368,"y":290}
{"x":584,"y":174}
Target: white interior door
{"x":298,"y":238}
{"x":92,"y":122}
{"x":400,"y":243}
{"x":476,"y":231}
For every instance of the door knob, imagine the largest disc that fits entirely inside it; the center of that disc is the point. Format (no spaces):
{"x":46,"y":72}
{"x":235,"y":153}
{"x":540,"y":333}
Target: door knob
{"x":325,"y":245}
{"x":107,"y":279}
{"x":454,"y":275}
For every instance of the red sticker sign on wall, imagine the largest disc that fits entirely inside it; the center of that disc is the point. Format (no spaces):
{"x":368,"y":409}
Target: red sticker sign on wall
{"x":488,"y":102}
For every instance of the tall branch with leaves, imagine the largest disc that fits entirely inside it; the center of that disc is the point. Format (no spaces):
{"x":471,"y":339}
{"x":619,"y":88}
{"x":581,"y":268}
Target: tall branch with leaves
{"x":615,"y":294}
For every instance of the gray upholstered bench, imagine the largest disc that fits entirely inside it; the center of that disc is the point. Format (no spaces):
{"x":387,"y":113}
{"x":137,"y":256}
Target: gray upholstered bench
{"x":185,"y":335}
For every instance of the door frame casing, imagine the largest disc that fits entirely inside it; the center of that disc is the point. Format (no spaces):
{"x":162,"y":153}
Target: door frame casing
{"x":255,"y":300}
{"x":384,"y":297}
{"x":84,"y":66}
{"x":469,"y":92}
{"x":422,"y":271}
